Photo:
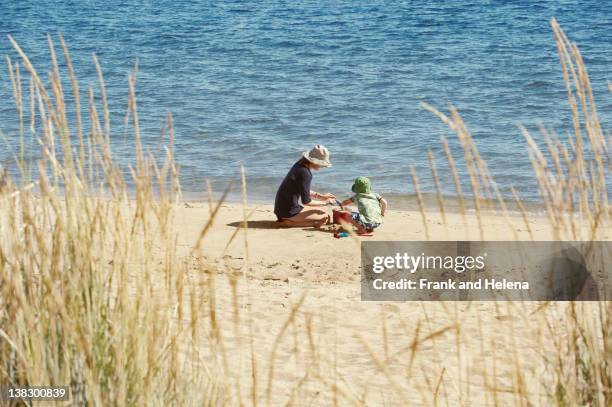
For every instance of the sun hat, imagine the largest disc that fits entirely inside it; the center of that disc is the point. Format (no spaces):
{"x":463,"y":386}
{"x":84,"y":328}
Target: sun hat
{"x":318,"y":155}
{"x":362,"y":185}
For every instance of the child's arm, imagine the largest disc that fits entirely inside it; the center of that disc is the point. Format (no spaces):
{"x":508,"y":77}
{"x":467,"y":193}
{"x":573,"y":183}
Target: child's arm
{"x":383,"y":206}
{"x":346,"y":202}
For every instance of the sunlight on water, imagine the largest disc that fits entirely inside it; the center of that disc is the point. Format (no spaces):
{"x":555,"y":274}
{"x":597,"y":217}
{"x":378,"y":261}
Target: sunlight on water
{"x":256,"y":83}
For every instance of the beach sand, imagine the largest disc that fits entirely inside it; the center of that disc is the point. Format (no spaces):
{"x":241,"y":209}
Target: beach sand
{"x":297,"y":308}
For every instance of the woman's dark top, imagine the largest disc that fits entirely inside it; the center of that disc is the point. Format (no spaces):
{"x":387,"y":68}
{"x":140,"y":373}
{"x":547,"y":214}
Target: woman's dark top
{"x":296,"y":185}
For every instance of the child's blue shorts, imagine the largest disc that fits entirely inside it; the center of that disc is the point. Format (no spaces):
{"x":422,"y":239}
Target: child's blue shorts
{"x":357,"y":218}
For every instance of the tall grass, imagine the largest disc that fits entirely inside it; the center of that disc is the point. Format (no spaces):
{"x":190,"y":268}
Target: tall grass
{"x":572,"y":177}
{"x":95,"y":292}
{"x":92,"y":293}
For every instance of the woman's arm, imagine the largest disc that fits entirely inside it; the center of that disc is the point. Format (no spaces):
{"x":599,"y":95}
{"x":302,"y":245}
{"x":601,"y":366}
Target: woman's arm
{"x":307,"y":195}
{"x":321,"y":203}
{"x":320,"y":196}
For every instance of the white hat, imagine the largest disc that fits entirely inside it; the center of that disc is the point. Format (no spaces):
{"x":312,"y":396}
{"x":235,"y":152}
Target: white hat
{"x":318,"y":155}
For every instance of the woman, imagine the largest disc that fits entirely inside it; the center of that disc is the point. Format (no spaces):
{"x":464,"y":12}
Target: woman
{"x":296,"y":186}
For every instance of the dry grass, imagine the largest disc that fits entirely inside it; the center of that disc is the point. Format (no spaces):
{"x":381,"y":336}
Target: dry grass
{"x":93,"y":294}
{"x":572,"y":181}
{"x":91,"y":290}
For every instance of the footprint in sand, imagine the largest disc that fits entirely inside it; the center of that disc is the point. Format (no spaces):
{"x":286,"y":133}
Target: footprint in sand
{"x":391,"y":308}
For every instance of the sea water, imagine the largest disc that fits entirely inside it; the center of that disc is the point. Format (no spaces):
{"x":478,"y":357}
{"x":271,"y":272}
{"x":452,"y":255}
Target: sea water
{"x":255,"y":83}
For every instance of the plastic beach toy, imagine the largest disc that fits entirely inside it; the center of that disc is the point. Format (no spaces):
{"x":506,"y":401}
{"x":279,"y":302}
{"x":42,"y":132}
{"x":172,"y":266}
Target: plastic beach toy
{"x":340,"y":215}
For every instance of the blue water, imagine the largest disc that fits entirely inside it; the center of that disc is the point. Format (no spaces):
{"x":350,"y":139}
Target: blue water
{"x":256,"y":83}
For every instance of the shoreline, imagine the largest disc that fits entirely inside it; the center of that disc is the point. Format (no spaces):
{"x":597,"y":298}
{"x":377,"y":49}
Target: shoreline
{"x":402,"y":203}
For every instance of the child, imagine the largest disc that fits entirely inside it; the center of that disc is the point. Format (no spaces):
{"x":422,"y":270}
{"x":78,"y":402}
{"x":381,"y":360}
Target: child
{"x":371,"y":206}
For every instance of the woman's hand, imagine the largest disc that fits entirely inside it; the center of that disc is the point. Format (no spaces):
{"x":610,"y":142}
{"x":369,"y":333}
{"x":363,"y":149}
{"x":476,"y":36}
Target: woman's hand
{"x":328,"y":195}
{"x":319,"y":202}
{"x":322,"y":197}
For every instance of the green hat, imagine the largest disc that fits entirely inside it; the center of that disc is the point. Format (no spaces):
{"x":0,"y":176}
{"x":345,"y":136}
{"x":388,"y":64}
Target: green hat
{"x":362,"y":185}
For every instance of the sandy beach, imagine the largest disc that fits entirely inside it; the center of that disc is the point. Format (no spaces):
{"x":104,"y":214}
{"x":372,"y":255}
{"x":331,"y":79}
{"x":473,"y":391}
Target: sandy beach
{"x":123,"y":285}
{"x":336,"y":346}
{"x":281,"y":250}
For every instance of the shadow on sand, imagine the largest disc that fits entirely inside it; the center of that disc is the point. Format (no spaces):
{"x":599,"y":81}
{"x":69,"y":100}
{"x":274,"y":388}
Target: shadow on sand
{"x":272,"y":224}
{"x":259,"y":224}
